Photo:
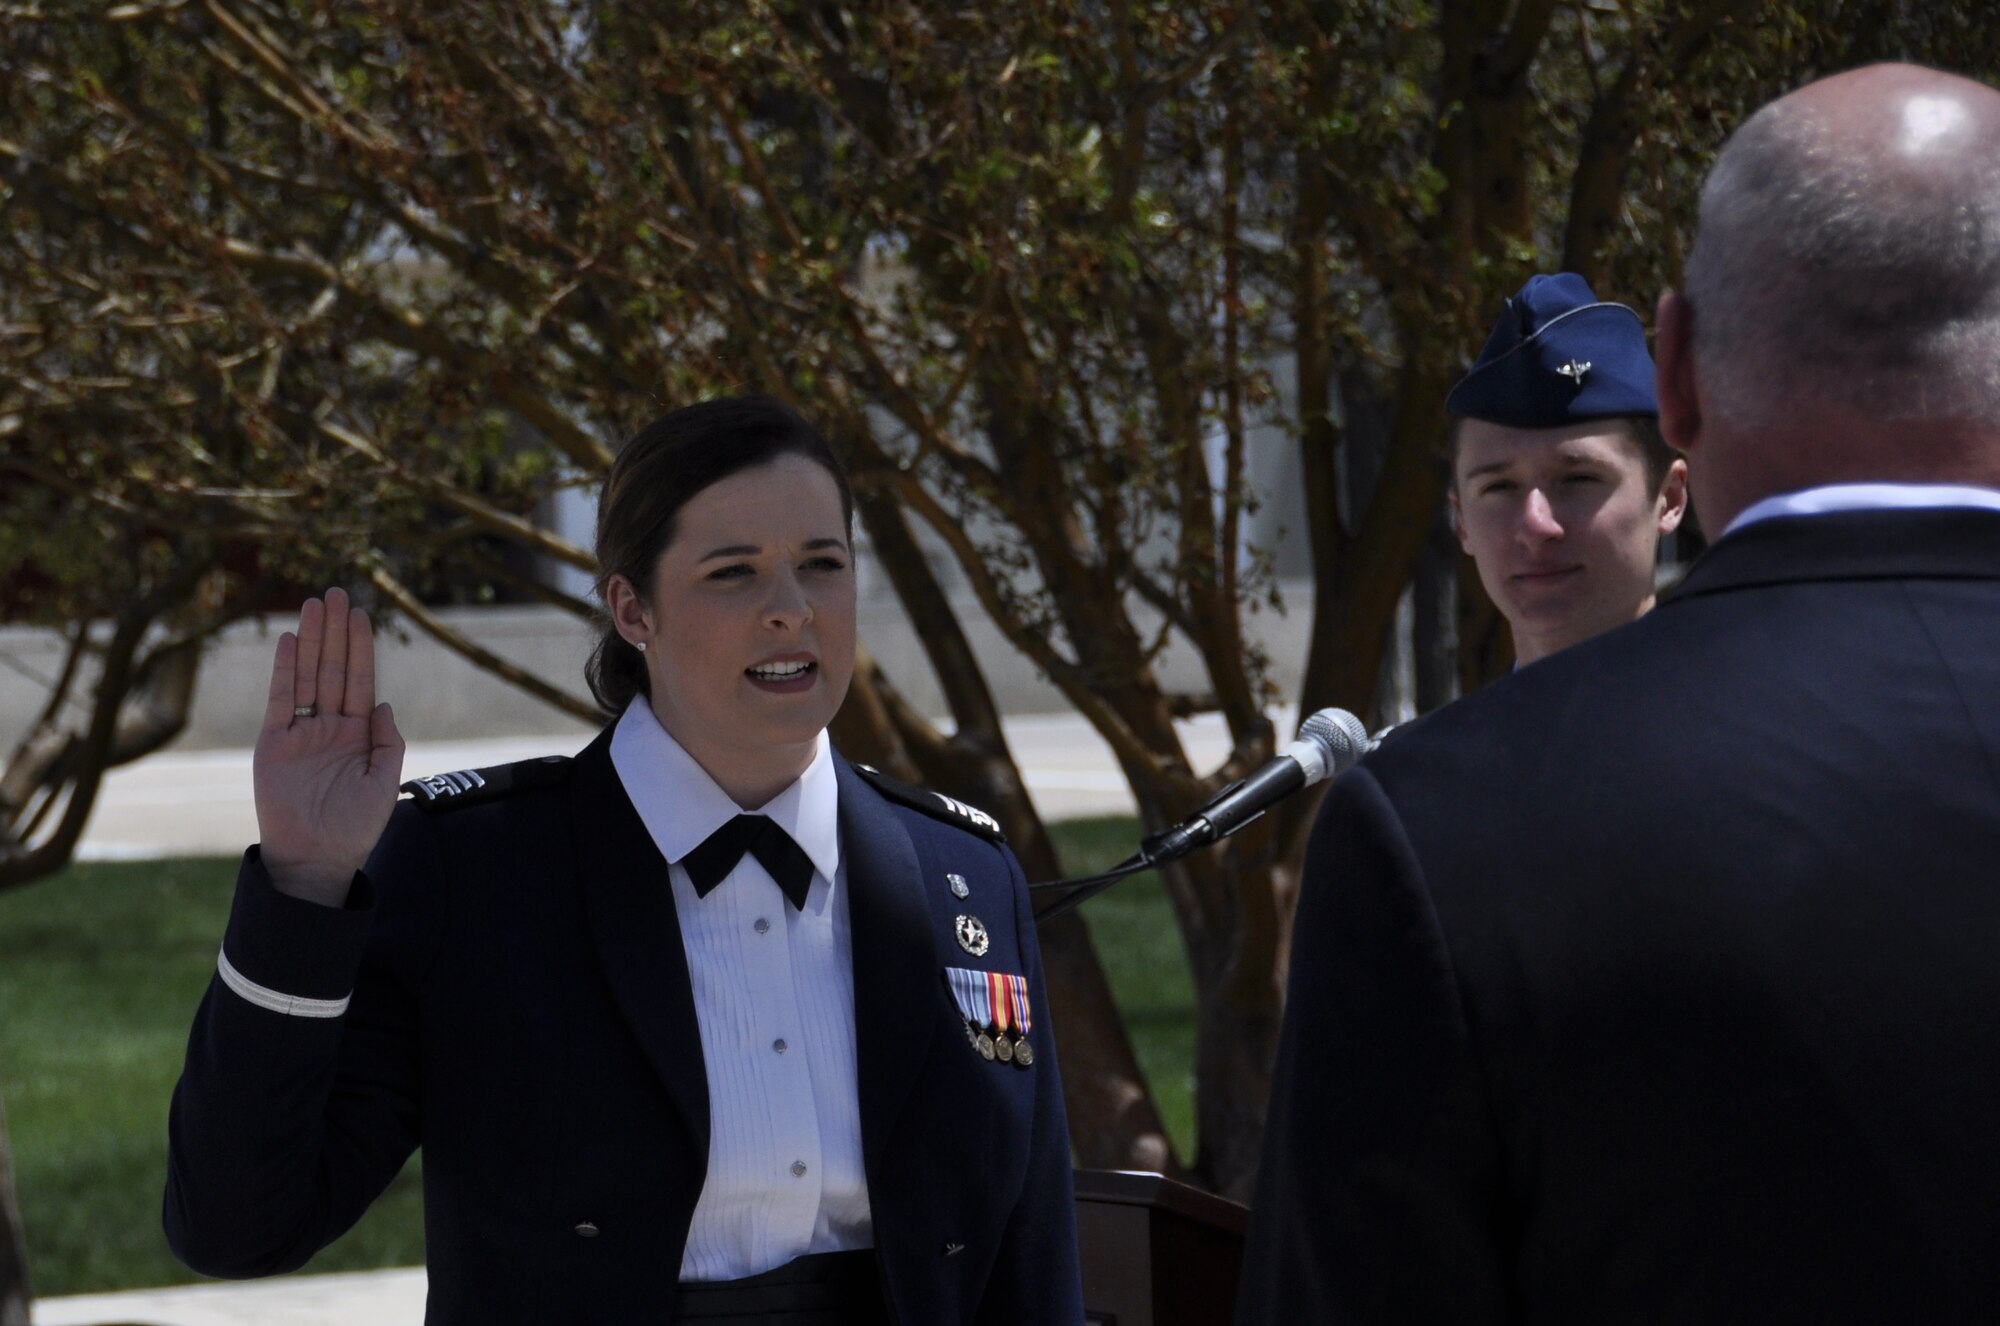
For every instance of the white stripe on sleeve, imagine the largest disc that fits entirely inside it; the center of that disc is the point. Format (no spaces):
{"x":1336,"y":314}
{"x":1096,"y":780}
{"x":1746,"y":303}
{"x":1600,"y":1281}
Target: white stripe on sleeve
{"x":291,"y":1005}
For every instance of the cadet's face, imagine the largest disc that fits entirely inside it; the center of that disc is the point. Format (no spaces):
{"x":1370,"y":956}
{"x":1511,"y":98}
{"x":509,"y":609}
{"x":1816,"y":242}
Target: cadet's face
{"x":1562,"y":525}
{"x":749,"y":630}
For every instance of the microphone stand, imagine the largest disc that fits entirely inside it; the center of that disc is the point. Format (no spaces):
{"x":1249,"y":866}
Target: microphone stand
{"x":1087,"y":887}
{"x":1155,"y":850}
{"x":1174,"y":843}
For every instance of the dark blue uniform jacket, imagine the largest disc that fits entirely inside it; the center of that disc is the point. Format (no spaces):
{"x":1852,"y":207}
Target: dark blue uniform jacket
{"x":1660,"y":981}
{"x":522,"y":1011}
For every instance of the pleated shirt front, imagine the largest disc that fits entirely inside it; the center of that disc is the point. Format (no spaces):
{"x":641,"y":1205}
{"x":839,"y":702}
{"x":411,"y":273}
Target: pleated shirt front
{"x":774,"y":996}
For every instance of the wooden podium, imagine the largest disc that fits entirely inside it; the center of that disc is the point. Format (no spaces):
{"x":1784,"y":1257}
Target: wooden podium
{"x":1156,"y":1252}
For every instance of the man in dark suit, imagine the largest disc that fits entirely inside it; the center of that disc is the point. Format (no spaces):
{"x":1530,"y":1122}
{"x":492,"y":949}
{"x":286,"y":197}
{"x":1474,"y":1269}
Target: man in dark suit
{"x":1658,"y":982}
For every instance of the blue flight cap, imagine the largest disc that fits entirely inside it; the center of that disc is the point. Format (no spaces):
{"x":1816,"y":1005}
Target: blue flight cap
{"x":1557,"y":356}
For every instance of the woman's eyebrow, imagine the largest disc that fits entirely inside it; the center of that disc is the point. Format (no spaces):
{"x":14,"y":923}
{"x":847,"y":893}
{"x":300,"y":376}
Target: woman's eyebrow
{"x":751,"y":549}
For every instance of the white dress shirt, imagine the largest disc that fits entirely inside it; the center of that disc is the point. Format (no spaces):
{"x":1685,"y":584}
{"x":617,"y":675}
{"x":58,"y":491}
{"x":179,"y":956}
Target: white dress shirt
{"x":1866,"y":497}
{"x":774,"y":994}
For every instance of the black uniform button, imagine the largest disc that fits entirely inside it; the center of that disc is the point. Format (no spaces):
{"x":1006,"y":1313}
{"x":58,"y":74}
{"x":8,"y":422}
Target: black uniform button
{"x":586,"y":1230}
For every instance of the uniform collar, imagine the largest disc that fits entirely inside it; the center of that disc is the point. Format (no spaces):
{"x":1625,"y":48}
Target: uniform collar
{"x":1953,"y":543}
{"x":681,"y":805}
{"x":1865,"y":497}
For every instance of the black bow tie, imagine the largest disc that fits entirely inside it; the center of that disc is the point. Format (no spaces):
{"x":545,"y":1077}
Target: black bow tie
{"x":760,"y":836}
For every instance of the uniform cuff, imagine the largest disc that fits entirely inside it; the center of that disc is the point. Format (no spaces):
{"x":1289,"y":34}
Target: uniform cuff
{"x":288,"y":955}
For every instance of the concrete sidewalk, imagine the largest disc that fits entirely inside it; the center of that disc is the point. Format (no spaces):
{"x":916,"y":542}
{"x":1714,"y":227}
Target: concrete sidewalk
{"x":197,"y":803}
{"x":359,"y":1298}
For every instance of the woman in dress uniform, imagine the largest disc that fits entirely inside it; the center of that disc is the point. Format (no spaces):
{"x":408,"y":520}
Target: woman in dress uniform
{"x":705,"y":1024}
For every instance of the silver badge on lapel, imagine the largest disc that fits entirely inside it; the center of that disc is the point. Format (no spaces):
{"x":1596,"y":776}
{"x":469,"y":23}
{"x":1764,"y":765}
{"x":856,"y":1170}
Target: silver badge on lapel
{"x":958,"y":885}
{"x":972,"y":936}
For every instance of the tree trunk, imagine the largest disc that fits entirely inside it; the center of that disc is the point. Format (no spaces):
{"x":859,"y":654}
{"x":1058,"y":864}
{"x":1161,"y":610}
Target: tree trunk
{"x":1395,"y":680}
{"x":14,"y":1291}
{"x":1237,"y":1048}
{"x":1113,"y":1122}
{"x":1435,"y":632}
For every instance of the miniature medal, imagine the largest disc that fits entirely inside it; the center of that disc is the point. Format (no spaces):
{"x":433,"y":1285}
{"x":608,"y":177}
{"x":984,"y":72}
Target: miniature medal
{"x":1003,"y":1014}
{"x":1014,"y":1003}
{"x":974,"y":996}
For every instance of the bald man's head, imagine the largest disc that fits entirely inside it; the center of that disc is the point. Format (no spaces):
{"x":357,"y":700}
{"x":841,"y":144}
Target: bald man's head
{"x":1848,"y":255}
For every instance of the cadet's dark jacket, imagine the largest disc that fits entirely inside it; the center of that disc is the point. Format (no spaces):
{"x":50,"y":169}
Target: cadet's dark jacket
{"x":1660,"y":982}
{"x":521,"y":1008}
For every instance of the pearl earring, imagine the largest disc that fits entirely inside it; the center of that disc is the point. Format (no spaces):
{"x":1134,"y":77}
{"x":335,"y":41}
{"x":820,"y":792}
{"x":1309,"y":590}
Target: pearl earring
{"x":639,"y":645}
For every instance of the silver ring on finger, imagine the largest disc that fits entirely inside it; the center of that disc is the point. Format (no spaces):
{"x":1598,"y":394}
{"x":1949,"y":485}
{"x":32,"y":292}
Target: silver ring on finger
{"x":305,"y":711}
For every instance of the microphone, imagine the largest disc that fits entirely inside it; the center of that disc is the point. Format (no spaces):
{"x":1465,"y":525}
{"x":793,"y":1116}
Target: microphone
{"x":1328,"y":743}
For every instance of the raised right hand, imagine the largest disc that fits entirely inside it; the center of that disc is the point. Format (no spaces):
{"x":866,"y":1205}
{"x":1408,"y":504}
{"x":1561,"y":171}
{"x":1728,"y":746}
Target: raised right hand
{"x":326,"y":779}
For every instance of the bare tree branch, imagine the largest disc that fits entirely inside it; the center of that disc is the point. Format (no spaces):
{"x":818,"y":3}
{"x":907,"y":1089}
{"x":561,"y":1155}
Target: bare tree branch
{"x":472,"y":651}
{"x":480,"y":512}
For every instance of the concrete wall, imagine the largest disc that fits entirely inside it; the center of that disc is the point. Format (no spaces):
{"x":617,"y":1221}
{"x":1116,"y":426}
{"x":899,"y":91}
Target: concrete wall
{"x":441,"y":697}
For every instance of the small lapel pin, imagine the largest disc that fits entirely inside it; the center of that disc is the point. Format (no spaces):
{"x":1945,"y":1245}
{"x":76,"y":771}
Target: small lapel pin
{"x":972,"y":936}
{"x":958,"y":885}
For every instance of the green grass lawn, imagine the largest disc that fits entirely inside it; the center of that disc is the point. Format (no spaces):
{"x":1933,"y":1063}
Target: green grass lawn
{"x":100,"y":972}
{"x":1132,"y":925}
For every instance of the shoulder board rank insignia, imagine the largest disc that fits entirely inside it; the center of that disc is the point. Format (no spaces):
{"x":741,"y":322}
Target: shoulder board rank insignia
{"x":466,"y":787}
{"x":935,"y":804}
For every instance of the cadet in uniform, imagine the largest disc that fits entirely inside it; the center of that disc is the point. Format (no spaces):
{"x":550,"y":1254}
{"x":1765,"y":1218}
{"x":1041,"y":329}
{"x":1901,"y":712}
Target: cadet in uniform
{"x":704,"y":1024}
{"x":1561,"y":485}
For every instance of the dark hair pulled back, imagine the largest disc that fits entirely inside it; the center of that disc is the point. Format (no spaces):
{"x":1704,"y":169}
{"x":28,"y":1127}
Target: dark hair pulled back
{"x":657,"y":472}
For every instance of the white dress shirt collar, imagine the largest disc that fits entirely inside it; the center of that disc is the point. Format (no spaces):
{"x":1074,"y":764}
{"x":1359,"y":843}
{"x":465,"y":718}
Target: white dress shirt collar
{"x":681,"y":804}
{"x":1866,"y":497}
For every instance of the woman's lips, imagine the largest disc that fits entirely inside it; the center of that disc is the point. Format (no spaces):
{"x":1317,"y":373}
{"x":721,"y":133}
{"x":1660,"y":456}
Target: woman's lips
{"x":802,"y":680}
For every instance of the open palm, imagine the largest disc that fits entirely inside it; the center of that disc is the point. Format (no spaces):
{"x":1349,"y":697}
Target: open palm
{"x":328,"y":758}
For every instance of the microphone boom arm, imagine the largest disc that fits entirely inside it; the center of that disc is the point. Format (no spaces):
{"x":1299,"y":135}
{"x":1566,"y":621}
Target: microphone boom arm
{"x":1329,"y":743}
